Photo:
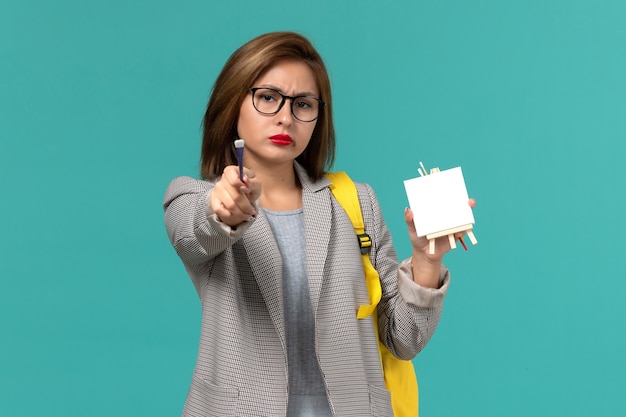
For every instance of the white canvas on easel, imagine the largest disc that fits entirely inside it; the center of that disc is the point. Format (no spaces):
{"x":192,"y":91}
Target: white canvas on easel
{"x":439,"y":202}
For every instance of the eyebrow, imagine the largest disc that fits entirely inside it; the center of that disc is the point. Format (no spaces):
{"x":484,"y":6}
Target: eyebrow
{"x":301,"y":94}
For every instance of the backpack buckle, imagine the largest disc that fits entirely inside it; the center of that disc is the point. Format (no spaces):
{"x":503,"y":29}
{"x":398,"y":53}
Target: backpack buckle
{"x":365,"y":243}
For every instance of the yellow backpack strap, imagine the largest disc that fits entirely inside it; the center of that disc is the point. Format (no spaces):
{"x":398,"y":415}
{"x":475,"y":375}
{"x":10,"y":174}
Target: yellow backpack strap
{"x":346,"y":194}
{"x":399,"y":375}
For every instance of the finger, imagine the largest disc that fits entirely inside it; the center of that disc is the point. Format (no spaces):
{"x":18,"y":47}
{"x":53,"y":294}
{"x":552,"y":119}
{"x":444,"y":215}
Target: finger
{"x":409,"y":220}
{"x":241,"y":202}
{"x":219,"y":208}
{"x":248,"y":174}
{"x":235,"y":194}
{"x":223,"y":198}
{"x":228,"y":211}
{"x":244,"y":207}
{"x":408,"y":217}
{"x":253,"y":186}
{"x":238,"y":204}
{"x":472,"y":203}
{"x":254,"y":191}
{"x":231,"y":176}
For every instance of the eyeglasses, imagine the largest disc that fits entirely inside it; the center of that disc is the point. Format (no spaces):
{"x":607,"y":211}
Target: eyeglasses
{"x":270,"y":101}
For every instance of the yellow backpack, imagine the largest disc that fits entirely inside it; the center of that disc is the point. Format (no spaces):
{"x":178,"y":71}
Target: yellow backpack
{"x":399,"y":375}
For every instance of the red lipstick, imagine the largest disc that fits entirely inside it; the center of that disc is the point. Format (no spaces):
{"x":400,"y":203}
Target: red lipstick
{"x":281,"y":139}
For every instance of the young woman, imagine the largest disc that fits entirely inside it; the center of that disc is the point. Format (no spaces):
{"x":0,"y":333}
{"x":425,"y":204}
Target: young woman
{"x":274,"y":258}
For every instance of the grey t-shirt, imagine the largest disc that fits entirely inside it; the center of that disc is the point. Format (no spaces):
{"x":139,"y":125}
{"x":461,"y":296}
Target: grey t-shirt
{"x":307,"y":392}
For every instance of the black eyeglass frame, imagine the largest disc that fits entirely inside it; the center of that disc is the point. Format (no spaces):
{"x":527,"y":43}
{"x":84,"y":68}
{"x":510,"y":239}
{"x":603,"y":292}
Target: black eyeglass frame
{"x":253,"y":90}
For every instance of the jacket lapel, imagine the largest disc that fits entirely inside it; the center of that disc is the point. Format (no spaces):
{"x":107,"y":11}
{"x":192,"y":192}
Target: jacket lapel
{"x":267,"y":267}
{"x":317,"y":203}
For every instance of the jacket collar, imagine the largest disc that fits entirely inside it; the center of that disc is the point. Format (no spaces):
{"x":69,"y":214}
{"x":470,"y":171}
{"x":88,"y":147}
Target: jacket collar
{"x":308,"y":184}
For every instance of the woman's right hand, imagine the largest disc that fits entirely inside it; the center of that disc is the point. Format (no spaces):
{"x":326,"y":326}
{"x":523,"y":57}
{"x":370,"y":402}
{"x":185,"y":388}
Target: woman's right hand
{"x":233,"y":200}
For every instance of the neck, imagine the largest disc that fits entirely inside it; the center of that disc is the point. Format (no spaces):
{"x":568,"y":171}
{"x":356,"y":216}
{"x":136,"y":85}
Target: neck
{"x":282,"y":177}
{"x":281,"y":188}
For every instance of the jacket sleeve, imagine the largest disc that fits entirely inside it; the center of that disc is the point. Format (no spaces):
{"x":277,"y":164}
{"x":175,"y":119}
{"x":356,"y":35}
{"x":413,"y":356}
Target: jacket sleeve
{"x":196,"y":233}
{"x":408,"y":314}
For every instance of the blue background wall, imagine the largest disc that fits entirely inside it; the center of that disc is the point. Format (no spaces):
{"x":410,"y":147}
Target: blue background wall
{"x":100,"y":106}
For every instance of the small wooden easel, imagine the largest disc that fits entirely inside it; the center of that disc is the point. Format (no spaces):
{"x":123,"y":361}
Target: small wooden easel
{"x":449,"y":232}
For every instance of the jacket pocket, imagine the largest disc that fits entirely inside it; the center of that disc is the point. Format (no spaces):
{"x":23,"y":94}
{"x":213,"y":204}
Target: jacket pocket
{"x":380,"y":402}
{"x":210,"y":400}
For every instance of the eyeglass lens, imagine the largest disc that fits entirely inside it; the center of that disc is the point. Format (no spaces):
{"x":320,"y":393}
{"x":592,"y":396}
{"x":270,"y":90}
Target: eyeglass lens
{"x":269,"y":101}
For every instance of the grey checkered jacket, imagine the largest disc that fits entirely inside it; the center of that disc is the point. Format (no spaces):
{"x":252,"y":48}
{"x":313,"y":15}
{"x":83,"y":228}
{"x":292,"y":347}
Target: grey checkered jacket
{"x":241,"y":368}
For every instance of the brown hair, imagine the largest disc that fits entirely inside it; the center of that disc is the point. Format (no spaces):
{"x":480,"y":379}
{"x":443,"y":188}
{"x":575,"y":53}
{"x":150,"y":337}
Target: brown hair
{"x":243,"y":67}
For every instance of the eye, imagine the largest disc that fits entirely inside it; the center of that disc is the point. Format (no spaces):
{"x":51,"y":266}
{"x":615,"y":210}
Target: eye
{"x":268,"y":96}
{"x":305,"y":103}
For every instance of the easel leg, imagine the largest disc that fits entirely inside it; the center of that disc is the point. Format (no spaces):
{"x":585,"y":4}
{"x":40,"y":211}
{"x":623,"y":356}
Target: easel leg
{"x":472,"y":237}
{"x":431,"y":246}
{"x":452,"y":242}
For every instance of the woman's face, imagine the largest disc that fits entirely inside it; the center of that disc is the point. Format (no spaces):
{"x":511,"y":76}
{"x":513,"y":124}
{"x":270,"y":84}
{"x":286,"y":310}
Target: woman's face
{"x":272,"y":140}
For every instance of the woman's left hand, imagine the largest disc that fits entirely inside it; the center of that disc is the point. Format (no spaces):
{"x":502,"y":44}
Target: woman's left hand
{"x":426,"y":265}
{"x":420,"y":244}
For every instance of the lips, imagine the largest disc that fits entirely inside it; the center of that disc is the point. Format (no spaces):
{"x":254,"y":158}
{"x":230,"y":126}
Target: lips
{"x":281,"y":139}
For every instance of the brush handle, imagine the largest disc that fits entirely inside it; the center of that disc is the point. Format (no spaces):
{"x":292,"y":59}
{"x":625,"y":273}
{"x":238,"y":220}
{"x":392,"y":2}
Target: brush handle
{"x":240,"y":161}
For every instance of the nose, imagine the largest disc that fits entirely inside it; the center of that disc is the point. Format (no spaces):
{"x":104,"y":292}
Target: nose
{"x":285,"y":116}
